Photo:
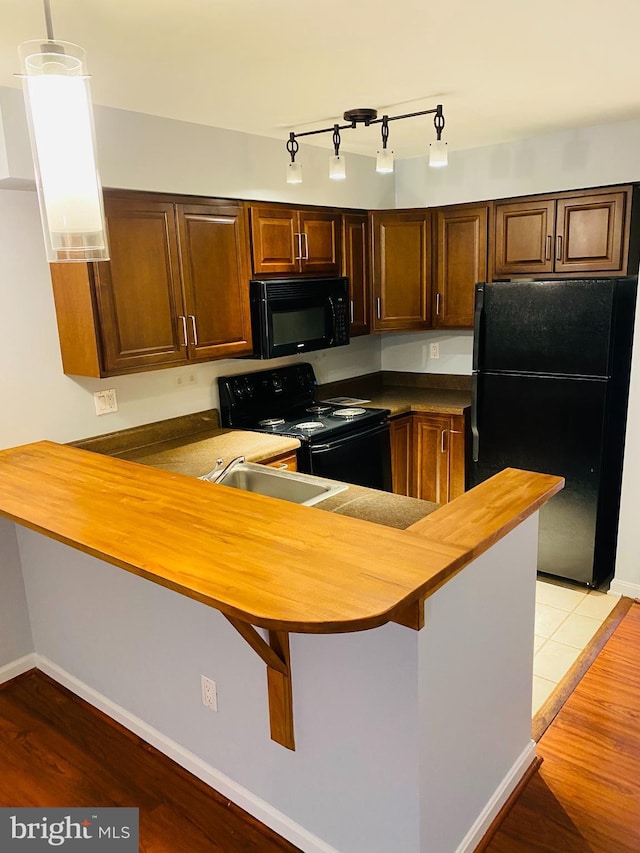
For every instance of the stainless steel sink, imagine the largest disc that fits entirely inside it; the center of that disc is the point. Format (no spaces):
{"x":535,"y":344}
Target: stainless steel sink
{"x":277,"y":483}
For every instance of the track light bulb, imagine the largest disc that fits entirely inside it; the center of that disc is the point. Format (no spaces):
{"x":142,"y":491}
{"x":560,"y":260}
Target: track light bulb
{"x":438,"y":156}
{"x":294,"y":173}
{"x":384,"y":161}
{"x":337,"y":171}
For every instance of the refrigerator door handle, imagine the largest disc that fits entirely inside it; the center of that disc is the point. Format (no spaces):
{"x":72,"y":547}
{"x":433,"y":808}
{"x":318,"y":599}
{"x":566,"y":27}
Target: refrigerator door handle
{"x":477,"y":317}
{"x":475,"y":434}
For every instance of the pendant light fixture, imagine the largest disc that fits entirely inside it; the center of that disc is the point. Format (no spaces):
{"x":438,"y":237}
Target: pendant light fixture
{"x":60,"y":117}
{"x":337,"y":171}
{"x":438,"y":156}
{"x":294,"y":170}
{"x":384,"y":158}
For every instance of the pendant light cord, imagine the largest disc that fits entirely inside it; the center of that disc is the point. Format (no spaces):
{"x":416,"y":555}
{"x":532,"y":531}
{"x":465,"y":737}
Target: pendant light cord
{"x":47,"y":17}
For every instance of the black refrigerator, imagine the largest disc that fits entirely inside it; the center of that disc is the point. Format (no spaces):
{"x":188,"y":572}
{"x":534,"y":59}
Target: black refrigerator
{"x":551,"y":366}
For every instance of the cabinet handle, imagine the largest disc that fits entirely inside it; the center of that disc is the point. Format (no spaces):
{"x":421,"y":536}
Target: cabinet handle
{"x":185,"y":339}
{"x":298,"y":237}
{"x":559,"y":249}
{"x":281,"y":466}
{"x":351,"y":311}
{"x":379,"y":308}
{"x":195,"y":331}
{"x":442,"y":435}
{"x":437,"y":304}
{"x":305,"y":256}
{"x":548,"y":255}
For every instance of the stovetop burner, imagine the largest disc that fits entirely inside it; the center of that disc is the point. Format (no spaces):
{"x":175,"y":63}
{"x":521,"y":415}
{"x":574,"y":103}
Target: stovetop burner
{"x":318,"y":410}
{"x":349,"y":413}
{"x":271,"y":422}
{"x":310,"y":426}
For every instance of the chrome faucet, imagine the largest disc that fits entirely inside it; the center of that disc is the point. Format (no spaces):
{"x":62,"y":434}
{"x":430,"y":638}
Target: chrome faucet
{"x":218,"y":472}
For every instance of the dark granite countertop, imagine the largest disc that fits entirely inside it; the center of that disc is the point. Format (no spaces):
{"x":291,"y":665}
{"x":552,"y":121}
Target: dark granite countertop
{"x":403,"y":393}
{"x":191,"y":445}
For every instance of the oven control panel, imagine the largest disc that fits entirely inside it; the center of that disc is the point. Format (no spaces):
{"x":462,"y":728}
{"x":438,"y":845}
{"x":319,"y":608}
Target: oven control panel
{"x":245,"y":398}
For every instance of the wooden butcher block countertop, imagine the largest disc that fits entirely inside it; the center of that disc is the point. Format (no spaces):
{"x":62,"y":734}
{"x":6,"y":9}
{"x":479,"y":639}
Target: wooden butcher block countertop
{"x":266,"y":562}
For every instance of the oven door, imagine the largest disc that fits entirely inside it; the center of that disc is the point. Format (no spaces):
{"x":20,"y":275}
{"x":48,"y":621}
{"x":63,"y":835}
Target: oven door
{"x":362,"y":457}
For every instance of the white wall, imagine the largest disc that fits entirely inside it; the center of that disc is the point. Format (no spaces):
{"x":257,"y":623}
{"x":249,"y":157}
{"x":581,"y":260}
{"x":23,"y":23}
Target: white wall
{"x":15,"y":629}
{"x":144,"y":152}
{"x":587,"y":157}
{"x":411,"y":352}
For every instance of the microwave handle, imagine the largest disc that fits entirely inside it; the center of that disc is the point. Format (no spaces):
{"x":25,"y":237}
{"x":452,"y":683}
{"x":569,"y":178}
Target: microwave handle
{"x":334,"y":318}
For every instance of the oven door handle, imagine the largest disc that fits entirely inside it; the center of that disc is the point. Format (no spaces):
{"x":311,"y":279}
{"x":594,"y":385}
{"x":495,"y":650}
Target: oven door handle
{"x":351,"y":436}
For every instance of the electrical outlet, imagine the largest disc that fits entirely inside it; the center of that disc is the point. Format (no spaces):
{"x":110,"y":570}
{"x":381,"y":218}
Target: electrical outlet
{"x":434,"y":350}
{"x":186,"y":379}
{"x":105,"y":402}
{"x":209,"y":693}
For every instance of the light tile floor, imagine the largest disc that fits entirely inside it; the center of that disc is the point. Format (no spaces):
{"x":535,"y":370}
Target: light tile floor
{"x":566,"y":619}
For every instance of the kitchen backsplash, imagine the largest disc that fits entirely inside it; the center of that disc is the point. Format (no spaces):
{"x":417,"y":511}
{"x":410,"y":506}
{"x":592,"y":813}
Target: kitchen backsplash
{"x":411,"y":352}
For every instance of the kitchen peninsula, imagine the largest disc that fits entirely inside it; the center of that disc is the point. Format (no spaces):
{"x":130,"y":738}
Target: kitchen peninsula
{"x":405,"y":739}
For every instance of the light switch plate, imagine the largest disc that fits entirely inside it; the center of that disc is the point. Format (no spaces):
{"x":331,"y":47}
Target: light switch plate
{"x":105,"y":402}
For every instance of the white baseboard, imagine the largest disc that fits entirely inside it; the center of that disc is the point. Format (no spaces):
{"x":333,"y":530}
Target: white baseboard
{"x":497,"y":801}
{"x":630,"y":590}
{"x":226,"y":786}
{"x":17,"y":667}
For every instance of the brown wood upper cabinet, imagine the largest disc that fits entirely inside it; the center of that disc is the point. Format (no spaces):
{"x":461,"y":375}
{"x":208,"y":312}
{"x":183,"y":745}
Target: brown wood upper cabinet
{"x":288,"y":241}
{"x":355,"y":265}
{"x":564,"y":234}
{"x":401,"y":288}
{"x":460,"y":238}
{"x":175,"y":289}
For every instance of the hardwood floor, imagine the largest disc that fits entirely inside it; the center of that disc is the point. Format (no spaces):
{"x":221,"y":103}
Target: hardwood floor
{"x":586,"y":796}
{"x":57,"y":751}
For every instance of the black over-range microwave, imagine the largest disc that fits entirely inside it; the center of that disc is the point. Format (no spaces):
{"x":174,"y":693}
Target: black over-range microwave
{"x":290,"y":315}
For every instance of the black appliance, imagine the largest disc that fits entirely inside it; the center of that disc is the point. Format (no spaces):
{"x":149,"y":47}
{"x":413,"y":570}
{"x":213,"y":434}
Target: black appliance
{"x":345,"y":443}
{"x":551,"y":366}
{"x":297,"y":315}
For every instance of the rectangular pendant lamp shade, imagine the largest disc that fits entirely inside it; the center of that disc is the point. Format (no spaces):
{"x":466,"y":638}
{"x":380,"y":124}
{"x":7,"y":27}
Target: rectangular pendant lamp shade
{"x":60,"y":117}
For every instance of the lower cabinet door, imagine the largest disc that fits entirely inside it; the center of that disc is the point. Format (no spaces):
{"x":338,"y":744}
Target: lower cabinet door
{"x":401,"y":455}
{"x":431,"y":455}
{"x":457,"y":456}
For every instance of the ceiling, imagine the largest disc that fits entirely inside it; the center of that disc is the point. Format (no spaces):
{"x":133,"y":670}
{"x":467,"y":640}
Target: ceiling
{"x":503,"y":69}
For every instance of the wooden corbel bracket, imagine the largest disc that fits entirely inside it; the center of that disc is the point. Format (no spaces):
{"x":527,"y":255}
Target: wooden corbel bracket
{"x":411,"y":615}
{"x":276,"y":655}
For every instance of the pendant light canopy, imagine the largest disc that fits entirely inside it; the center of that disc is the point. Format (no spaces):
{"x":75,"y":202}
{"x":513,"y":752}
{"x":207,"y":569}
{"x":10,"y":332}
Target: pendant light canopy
{"x":60,"y":118}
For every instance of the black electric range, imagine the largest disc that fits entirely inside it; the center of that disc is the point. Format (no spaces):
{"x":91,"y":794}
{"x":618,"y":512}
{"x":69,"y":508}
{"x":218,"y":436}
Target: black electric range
{"x":348,"y":443}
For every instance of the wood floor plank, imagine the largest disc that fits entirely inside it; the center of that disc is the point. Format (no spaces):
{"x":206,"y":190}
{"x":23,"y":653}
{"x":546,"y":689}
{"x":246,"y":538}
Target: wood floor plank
{"x":586,"y":796}
{"x":55,"y":750}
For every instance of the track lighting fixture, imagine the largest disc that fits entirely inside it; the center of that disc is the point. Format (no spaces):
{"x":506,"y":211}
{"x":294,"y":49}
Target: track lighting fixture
{"x":384,"y":158}
{"x":59,"y":113}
